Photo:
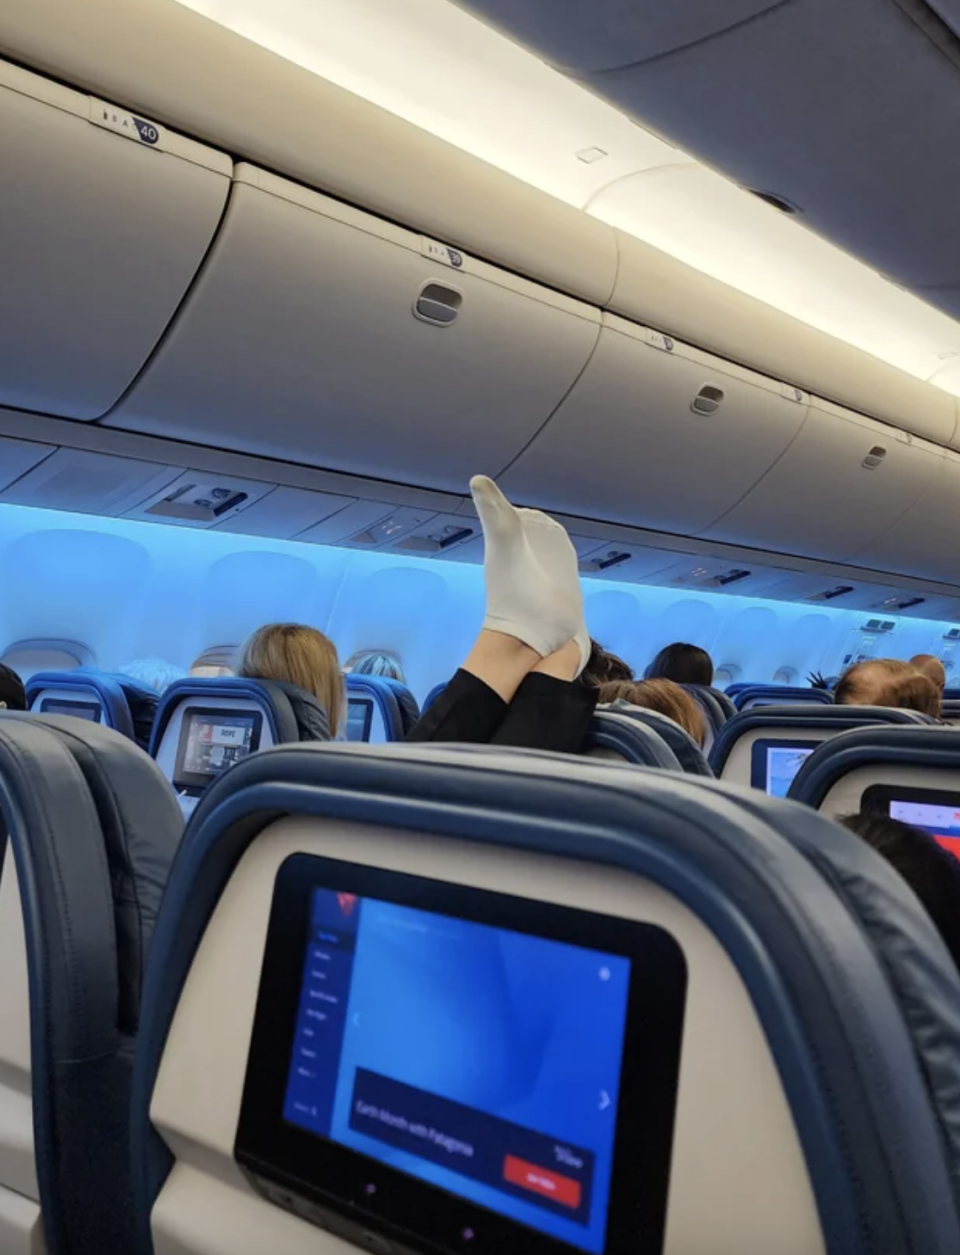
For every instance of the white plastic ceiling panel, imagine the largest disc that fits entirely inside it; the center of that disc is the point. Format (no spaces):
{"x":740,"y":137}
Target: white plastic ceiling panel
{"x":849,"y":112}
{"x":628,"y":446}
{"x":91,"y":483}
{"x":925,"y":541}
{"x":339,"y":527}
{"x":596,"y":34}
{"x":842,"y":483}
{"x":19,"y":456}
{"x":283,"y":513}
{"x":307,"y":338}
{"x":102,"y":228}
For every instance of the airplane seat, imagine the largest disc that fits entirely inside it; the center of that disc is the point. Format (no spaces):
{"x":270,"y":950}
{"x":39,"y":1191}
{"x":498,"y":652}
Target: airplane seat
{"x":908,"y":773}
{"x":89,"y":831}
{"x":96,"y":696}
{"x":687,"y":752}
{"x":950,"y":710}
{"x":780,"y":695}
{"x":760,"y":1083}
{"x":714,"y":713}
{"x":374,"y":712}
{"x":765,"y":746}
{"x":409,"y":710}
{"x":951,"y":694}
{"x":204,"y":725}
{"x":616,"y":737}
{"x":726,"y":703}
{"x":143,"y":702}
{"x":432,"y":696}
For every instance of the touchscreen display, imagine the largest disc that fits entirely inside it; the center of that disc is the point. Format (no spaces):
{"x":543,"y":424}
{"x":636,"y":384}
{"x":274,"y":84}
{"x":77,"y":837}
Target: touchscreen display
{"x":941,"y":820}
{"x":213,"y":740}
{"x":359,"y":718}
{"x":482,"y":1060}
{"x":783,"y":763}
{"x":79,"y":710}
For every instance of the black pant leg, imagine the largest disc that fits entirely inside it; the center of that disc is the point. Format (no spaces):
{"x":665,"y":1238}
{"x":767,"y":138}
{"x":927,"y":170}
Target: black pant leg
{"x":548,"y":714}
{"x":467,"y":711}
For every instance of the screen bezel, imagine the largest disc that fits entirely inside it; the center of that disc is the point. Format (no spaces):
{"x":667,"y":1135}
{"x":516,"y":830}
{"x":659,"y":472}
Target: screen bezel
{"x":877,"y":798}
{"x":94,"y":707}
{"x":367,"y":704}
{"x":758,"y":756}
{"x":405,"y":1209}
{"x":200,"y":780}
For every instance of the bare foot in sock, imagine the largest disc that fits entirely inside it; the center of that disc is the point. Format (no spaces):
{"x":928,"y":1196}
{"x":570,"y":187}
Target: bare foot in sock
{"x":532,"y":577}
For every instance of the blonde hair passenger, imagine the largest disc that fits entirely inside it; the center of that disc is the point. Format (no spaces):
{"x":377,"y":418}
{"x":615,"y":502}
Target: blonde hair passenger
{"x":291,"y":653}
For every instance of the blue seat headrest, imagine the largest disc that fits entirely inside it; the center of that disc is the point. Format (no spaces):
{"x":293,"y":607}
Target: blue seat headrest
{"x":630,"y":740}
{"x":926,"y":747}
{"x":385,"y":702}
{"x":107,"y":689}
{"x":798,"y":717}
{"x":271,"y":698}
{"x":780,"y":694}
{"x":409,"y":710}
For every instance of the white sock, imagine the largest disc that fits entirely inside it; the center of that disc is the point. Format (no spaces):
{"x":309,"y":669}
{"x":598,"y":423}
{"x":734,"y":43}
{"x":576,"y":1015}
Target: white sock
{"x":532,"y":575}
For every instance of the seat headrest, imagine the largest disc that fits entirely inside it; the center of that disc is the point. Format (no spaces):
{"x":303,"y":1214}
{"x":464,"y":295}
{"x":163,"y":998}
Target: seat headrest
{"x":776,"y":887}
{"x":262,"y":695}
{"x":388,"y":721}
{"x":615,"y":735}
{"x":779,"y":694}
{"x":688,"y":753}
{"x":97,"y":696}
{"x":432,"y":696}
{"x":409,"y":710}
{"x":876,"y":754}
{"x":799,"y":718}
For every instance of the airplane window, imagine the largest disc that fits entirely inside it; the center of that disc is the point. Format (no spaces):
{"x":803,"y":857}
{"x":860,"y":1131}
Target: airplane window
{"x":725,"y":674}
{"x":217,"y":660}
{"x":28,"y":657}
{"x":785,"y":675}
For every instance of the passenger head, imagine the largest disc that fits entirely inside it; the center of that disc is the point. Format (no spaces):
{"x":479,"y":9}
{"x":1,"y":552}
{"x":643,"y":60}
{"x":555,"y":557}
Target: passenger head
{"x":932,"y":873}
{"x":663,"y":696}
{"x":684,"y":664}
{"x":370,"y":663}
{"x":294,"y":654}
{"x":932,"y":668}
{"x":915,"y":692}
{"x":155,"y":673}
{"x":13,"y":696}
{"x":603,"y":667}
{"x":870,"y":683}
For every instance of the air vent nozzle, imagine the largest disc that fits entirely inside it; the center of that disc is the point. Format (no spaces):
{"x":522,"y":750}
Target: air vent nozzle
{"x":874,"y":457}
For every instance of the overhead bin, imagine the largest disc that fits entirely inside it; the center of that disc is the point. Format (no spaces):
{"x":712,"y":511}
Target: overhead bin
{"x":656,"y":434}
{"x":322,"y":335}
{"x":842,"y":483}
{"x":923,"y":542}
{"x":105,"y":219}
{"x":660,"y":291}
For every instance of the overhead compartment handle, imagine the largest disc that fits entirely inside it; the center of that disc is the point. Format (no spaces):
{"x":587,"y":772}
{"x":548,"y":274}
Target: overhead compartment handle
{"x":438,"y":303}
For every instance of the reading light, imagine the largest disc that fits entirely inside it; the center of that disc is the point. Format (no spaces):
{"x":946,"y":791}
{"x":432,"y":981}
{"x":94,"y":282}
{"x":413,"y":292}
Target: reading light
{"x":440,"y":68}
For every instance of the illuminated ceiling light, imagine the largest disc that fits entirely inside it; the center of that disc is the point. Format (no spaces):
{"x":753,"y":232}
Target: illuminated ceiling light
{"x":440,"y":68}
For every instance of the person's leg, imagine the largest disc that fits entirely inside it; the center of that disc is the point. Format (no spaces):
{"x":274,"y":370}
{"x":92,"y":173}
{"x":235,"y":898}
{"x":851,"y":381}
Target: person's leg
{"x":533,"y":624}
{"x":472,"y":706}
{"x":552,"y":709}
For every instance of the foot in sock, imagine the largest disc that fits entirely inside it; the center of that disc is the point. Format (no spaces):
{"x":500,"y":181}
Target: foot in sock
{"x":532,"y":579}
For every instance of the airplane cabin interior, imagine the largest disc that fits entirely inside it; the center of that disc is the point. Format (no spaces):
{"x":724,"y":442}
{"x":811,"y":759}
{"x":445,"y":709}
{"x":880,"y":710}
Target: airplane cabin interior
{"x":515,"y":362}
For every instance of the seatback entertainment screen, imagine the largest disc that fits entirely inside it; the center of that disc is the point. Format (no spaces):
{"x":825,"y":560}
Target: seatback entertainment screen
{"x":213,"y":740}
{"x":91,"y":711}
{"x":936,"y":811}
{"x":775,"y":763}
{"x":464,"y":1074}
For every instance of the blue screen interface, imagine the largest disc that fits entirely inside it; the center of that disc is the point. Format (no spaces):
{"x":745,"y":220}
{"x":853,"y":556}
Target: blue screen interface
{"x":783,"y":763}
{"x":481,"y":1060}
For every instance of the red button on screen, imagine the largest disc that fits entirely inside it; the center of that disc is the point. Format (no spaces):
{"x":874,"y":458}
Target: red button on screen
{"x":541,"y":1181}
